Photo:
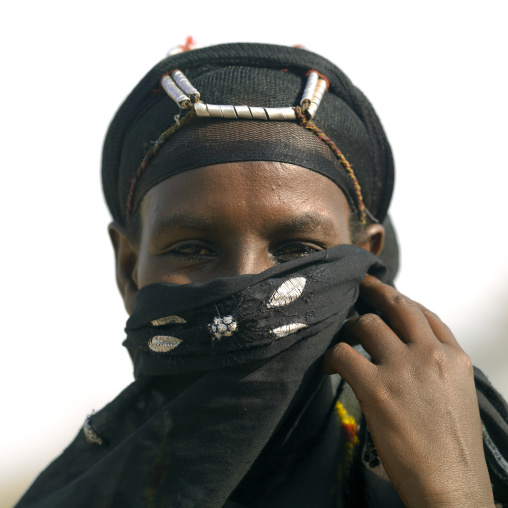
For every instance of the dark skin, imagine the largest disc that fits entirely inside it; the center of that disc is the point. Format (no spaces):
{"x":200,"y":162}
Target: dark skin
{"x":417,"y":395}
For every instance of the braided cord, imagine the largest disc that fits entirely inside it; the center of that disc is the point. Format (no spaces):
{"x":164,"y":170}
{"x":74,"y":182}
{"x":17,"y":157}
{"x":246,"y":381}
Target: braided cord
{"x":154,"y":150}
{"x":302,"y":120}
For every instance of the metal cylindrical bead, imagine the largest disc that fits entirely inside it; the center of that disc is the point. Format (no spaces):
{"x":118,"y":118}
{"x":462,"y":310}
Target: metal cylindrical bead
{"x":311,"y":110}
{"x":319,"y":91}
{"x":310,"y":86}
{"x":201,"y":110}
{"x":274,"y":113}
{"x":172,"y":90}
{"x":184,"y":83}
{"x":243,"y":112}
{"x":316,"y":99}
{"x":228,"y":111}
{"x":258,"y":113}
{"x":280,"y":113}
{"x":214,"y":110}
{"x":288,"y":114}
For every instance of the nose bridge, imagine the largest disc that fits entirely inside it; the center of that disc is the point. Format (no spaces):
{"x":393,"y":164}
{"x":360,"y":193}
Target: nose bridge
{"x":248,"y":257}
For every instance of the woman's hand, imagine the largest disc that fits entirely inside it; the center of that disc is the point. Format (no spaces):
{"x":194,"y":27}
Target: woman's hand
{"x":418,"y":398}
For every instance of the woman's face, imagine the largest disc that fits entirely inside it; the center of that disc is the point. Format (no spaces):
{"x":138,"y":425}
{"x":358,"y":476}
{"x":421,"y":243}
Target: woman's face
{"x":230,"y":219}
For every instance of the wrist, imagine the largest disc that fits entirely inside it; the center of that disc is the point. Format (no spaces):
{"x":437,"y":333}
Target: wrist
{"x":463,"y":493}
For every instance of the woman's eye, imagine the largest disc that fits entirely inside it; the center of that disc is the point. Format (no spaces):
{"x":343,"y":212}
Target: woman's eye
{"x":192,"y":250}
{"x":291,"y":251}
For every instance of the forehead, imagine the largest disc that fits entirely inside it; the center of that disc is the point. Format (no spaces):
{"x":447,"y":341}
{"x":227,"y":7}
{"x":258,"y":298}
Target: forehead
{"x":264,"y":189}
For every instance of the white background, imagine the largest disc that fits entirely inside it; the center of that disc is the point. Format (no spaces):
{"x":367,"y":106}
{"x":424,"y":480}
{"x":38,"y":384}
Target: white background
{"x":434,"y":70}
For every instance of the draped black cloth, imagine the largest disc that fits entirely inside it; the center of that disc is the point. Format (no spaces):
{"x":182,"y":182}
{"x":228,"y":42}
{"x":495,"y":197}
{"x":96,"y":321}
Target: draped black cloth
{"x":230,"y":407}
{"x":224,"y":414}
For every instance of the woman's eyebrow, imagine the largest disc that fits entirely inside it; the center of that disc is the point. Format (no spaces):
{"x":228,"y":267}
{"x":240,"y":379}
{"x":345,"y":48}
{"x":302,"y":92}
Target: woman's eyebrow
{"x":181,"y":220}
{"x":305,"y":221}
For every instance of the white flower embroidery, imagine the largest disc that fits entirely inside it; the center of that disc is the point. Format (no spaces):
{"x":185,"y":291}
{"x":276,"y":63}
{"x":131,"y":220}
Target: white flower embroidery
{"x":223,"y":327}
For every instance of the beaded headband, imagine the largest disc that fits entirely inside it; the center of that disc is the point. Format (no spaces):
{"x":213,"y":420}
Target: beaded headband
{"x":187,"y":97}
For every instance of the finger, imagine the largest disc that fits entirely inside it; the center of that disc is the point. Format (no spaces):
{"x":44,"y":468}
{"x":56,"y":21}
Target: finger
{"x":403,"y":314}
{"x":440,"y":329}
{"x":376,"y":337}
{"x":354,"y":368}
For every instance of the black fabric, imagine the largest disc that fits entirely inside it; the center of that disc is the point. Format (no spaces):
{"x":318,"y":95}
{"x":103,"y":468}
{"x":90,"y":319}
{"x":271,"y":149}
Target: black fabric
{"x":245,"y":420}
{"x":390,"y":255}
{"x":213,"y":419}
{"x":330,"y":277}
{"x":256,"y":75}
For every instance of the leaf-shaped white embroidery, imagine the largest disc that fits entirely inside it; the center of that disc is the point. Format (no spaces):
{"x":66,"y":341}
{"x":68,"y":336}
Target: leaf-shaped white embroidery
{"x":173,"y":320}
{"x":163,"y":343}
{"x":288,"y":292}
{"x":283,"y":331}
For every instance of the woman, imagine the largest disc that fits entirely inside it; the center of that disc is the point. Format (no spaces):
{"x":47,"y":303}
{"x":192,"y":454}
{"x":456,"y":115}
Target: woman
{"x":247,"y":213}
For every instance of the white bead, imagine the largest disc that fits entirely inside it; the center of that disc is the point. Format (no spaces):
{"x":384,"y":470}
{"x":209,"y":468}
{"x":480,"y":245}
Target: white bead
{"x":214,"y":110}
{"x":184,"y":83}
{"x":274,"y":113}
{"x":243,"y":112}
{"x":258,"y":113}
{"x":201,"y":110}
{"x":228,"y":111}
{"x":310,"y":86}
{"x":172,"y":90}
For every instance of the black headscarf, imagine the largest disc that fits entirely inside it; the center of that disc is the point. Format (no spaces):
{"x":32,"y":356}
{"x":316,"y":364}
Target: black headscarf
{"x":254,"y":75}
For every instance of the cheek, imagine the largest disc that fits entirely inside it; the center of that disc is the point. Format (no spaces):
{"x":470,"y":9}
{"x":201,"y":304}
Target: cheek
{"x":151,"y":269}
